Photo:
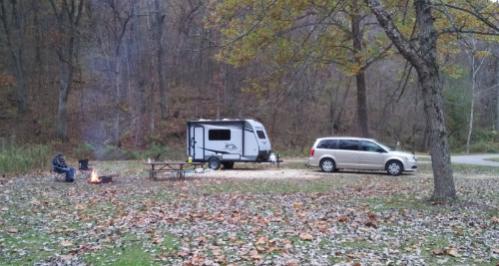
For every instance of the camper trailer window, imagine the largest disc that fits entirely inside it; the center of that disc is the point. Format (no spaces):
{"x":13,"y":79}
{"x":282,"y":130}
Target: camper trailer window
{"x":219,"y":134}
{"x":260,"y":134}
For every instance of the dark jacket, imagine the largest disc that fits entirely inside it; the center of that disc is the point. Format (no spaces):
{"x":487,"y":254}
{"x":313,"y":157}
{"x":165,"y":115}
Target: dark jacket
{"x":58,"y":163}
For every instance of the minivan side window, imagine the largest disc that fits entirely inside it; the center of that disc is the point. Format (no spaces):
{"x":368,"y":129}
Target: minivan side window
{"x":348,"y":144}
{"x":369,"y":146}
{"x":328,"y":144}
{"x":219,"y":134}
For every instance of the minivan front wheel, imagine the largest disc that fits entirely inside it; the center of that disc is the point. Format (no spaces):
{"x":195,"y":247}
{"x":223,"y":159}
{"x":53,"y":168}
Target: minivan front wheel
{"x":394,"y":168}
{"x":327,"y":165}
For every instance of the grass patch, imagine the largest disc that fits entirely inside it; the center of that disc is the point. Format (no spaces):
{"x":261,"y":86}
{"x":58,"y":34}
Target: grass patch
{"x":23,"y":159}
{"x":275,"y":186}
{"x":131,"y":255}
{"x":361,"y":244}
{"x":398,"y":202}
{"x":25,"y":248}
{"x":464,"y":169}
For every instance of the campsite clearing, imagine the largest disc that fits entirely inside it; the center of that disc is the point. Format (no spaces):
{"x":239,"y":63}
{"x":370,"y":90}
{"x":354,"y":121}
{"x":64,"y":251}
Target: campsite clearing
{"x":319,"y":219}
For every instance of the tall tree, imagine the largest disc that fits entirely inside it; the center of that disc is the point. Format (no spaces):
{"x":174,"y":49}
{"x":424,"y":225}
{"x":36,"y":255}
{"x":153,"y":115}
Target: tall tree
{"x":476,"y":59}
{"x":12,"y":24}
{"x":160,"y":53}
{"x":68,"y":14}
{"x":303,"y":33}
{"x":422,"y":55}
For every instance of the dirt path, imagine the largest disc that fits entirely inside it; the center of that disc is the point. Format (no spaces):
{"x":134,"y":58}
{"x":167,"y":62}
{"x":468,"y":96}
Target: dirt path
{"x":258,"y":173}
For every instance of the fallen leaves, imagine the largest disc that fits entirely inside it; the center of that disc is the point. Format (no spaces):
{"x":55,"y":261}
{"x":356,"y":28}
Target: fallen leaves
{"x":450,"y":251}
{"x":12,"y":230}
{"x":66,"y":243}
{"x":179,"y":223}
{"x":306,"y":237}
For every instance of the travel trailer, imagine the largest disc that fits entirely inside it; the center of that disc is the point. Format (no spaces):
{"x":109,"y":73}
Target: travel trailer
{"x":224,"y":142}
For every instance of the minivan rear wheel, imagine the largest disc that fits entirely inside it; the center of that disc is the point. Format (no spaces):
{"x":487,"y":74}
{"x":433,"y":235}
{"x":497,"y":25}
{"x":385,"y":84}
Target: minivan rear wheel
{"x":394,"y":168}
{"x":327,"y":165}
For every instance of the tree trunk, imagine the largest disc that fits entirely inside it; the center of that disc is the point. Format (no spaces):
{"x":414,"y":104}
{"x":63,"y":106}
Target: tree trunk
{"x":159,"y":59}
{"x":360,"y":77}
{"x":65,"y":79}
{"x":22,"y":89}
{"x":14,"y":41}
{"x":424,"y":59}
{"x":472,"y":107}
{"x":118,"y":99}
{"x":439,"y":147}
{"x":496,"y":83}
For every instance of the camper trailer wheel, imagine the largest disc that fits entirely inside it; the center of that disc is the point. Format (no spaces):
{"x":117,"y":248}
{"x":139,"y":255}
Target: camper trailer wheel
{"x":214,"y":163}
{"x":228,"y":165}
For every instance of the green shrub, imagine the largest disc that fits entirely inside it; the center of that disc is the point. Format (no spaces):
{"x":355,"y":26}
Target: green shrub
{"x":23,"y":159}
{"x":483,"y":146}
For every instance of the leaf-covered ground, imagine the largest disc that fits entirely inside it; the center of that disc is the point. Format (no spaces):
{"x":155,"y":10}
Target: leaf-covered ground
{"x":344,"y":219}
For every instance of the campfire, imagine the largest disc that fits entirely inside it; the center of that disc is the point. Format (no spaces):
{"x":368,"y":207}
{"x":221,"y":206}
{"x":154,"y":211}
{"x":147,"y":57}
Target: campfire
{"x":96,"y":179}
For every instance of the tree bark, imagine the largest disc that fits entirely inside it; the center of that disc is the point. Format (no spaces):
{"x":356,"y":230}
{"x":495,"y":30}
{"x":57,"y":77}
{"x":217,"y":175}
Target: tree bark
{"x":472,"y":107}
{"x":14,"y":41}
{"x":360,"y":77}
{"x":66,"y":76}
{"x":496,"y":84}
{"x":424,"y":60}
{"x":160,"y":18}
{"x":67,"y":52}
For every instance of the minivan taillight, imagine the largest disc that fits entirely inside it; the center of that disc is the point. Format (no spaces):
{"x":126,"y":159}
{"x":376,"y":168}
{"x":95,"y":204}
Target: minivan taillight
{"x":312,"y":151}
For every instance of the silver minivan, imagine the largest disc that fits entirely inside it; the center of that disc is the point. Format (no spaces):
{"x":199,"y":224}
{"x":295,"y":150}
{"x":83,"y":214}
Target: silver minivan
{"x":332,"y":153}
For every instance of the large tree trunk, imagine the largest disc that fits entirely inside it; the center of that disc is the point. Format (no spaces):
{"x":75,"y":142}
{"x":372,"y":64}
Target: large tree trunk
{"x":424,"y":60}
{"x":360,"y":77}
{"x":439,"y":147}
{"x":67,"y":51}
{"x":160,"y":17}
{"x":429,"y":78}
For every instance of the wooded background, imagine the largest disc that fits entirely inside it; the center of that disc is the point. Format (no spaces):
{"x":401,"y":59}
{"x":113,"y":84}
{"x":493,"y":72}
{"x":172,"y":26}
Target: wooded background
{"x":128,"y":74}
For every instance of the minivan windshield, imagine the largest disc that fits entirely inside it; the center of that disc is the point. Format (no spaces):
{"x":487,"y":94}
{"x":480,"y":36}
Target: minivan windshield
{"x":384,"y":146}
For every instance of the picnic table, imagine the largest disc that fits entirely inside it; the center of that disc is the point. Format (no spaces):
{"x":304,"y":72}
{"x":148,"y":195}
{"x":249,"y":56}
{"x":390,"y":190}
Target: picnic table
{"x":177,"y":168}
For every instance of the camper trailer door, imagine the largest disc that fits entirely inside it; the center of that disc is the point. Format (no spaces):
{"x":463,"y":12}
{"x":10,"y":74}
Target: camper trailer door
{"x":198,"y":143}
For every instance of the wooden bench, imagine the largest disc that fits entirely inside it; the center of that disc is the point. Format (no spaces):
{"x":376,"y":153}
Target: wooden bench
{"x":177,"y":168}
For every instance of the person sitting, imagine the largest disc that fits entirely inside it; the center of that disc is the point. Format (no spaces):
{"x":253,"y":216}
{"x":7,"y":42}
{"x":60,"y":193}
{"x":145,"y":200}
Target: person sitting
{"x":59,"y":165}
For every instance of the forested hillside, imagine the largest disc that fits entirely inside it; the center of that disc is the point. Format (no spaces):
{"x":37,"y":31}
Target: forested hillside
{"x":129,"y":74}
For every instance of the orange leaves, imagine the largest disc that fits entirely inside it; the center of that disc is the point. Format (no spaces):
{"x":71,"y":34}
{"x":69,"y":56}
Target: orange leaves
{"x":343,"y":219}
{"x":306,"y":237}
{"x":450,"y":251}
{"x":6,"y":80}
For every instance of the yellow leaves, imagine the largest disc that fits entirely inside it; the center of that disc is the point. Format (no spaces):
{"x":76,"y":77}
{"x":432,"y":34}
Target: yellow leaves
{"x":482,"y":54}
{"x":450,"y":251}
{"x":306,"y":237}
{"x":7,"y":80}
{"x":66,"y":243}
{"x":12,"y":230}
{"x":453,"y":70}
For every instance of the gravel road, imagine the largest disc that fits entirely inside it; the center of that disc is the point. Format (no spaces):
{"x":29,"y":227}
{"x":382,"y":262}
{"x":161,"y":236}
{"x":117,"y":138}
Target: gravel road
{"x":476,"y":159}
